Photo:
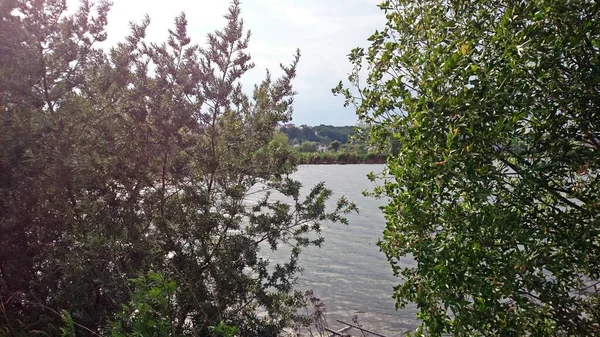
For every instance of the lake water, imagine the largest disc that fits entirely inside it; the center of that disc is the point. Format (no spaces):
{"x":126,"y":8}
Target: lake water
{"x":349,"y":273}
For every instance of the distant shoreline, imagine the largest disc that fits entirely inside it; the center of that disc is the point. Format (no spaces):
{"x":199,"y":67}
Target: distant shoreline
{"x":341,"y":163}
{"x":331,"y":161}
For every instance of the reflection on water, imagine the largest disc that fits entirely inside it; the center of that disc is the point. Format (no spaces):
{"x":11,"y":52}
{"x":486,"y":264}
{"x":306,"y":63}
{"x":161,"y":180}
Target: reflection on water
{"x":349,"y":273}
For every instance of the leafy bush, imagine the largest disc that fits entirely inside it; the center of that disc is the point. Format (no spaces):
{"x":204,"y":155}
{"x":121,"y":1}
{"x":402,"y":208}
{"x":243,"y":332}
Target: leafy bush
{"x":137,"y":158}
{"x":492,"y":107}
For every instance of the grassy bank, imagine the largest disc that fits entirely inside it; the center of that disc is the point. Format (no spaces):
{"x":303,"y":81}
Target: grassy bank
{"x":340,"y":158}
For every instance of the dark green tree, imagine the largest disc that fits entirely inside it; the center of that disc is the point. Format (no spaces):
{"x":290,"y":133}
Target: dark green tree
{"x":308,"y":133}
{"x":142,"y":158}
{"x":335,"y":145}
{"x":339,"y":133}
{"x":495,"y":191}
{"x":309,"y":146}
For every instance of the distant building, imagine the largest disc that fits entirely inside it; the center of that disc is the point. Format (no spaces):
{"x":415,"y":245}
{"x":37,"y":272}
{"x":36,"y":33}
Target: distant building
{"x":322,"y":148}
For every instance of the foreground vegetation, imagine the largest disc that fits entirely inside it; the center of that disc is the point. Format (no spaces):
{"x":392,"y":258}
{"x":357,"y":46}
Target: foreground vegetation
{"x":495,"y":188}
{"x":123,"y":175}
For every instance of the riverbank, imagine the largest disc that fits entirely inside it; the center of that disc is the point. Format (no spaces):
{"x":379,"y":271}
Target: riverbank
{"x":340,"y":158}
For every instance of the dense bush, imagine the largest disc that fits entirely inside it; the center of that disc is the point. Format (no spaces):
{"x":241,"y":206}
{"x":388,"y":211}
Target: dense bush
{"x":115,"y":163}
{"x":493,"y":111}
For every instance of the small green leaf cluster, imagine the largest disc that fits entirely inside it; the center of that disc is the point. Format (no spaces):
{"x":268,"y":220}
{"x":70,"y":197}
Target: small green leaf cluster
{"x":147,"y":314}
{"x":224,"y":330}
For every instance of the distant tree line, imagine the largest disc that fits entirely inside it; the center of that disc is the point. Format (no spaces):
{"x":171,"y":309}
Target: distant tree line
{"x":323,"y":134}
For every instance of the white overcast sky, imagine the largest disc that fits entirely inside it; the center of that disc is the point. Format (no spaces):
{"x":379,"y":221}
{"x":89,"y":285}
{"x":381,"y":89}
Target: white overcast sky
{"x":324,"y":30}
